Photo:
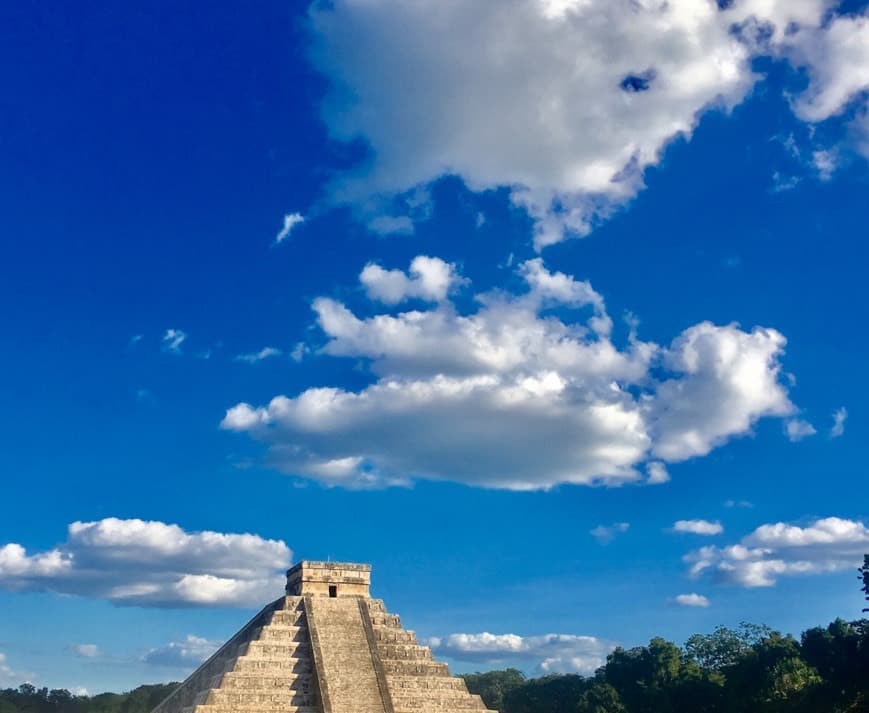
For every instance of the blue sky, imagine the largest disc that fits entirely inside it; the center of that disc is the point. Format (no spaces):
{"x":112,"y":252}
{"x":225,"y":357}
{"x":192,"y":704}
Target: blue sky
{"x":633,"y":308}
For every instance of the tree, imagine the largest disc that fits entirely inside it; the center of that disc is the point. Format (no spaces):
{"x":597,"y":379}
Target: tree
{"x":601,"y":697}
{"x":555,"y":693}
{"x":864,"y":575}
{"x":493,"y":686}
{"x":724,"y":646}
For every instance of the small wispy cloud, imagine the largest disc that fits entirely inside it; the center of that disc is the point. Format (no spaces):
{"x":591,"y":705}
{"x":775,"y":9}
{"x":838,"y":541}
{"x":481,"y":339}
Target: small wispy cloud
{"x":797,"y":429}
{"x":87,"y":651}
{"x":691,"y":600}
{"x":299,"y":351}
{"x":255,"y":357}
{"x":173,"y":339}
{"x":738,"y":504}
{"x":291,"y":220}
{"x":605,"y":534}
{"x":184,"y":655}
{"x":135,"y":339}
{"x":825,"y":162}
{"x":839,"y":417}
{"x":656,"y":473}
{"x":698,"y":527}
{"x":784,"y":182}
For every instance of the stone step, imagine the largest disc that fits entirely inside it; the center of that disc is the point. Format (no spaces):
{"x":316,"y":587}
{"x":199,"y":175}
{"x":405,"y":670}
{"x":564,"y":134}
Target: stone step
{"x":246,"y":681}
{"x":429,"y":705}
{"x":438,"y":684}
{"x":390,"y":652}
{"x":264,"y":699}
{"x":251,"y":665}
{"x":376,"y":605}
{"x":269,"y":650}
{"x":258,"y":709}
{"x":416,"y":668}
{"x":395,"y":636}
{"x":391,"y":621}
{"x":283,"y":633}
{"x":288,"y":616}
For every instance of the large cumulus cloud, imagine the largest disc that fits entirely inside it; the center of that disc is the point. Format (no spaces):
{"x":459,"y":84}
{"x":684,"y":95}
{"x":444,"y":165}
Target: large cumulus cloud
{"x":563,"y":102}
{"x":150,"y":563}
{"x":526,"y":392}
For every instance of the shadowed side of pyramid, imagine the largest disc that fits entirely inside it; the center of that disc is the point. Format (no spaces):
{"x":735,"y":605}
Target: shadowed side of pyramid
{"x":326,"y":647}
{"x":266,"y":667}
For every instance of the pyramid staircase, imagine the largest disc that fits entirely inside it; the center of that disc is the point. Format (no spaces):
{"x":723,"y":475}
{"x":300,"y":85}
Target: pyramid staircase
{"x":326,"y":647}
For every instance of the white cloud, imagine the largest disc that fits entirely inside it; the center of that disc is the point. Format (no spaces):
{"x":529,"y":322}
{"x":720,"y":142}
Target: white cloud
{"x":80,"y":691}
{"x":87,"y":651}
{"x":656,"y":473}
{"x":726,"y":380}
{"x":291,"y":220}
{"x":148,"y":563}
{"x":797,"y":429}
{"x":827,"y":545}
{"x":839,"y":418}
{"x":553,"y":653}
{"x":698,"y":527}
{"x":471,"y":397}
{"x":691,"y":600}
{"x":605,"y":534}
{"x":836,"y":59}
{"x":429,"y":278}
{"x":173,"y":339}
{"x":254,"y":357}
{"x":563,"y":102}
{"x":184,"y":655}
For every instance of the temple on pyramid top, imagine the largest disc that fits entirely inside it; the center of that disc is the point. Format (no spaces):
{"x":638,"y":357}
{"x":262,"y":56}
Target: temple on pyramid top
{"x":324,"y":647}
{"x":329,"y":579}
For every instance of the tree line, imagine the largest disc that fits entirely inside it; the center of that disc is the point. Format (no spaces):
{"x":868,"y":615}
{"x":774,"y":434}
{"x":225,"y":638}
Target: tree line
{"x":30,"y":699}
{"x":750,"y":669}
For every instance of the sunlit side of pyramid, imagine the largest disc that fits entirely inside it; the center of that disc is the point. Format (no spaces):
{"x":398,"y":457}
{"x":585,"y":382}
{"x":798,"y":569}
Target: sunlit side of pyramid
{"x":325,"y":647}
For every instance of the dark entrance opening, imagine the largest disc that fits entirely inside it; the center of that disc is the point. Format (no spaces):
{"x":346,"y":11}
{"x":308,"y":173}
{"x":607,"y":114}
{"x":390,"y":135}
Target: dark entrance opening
{"x":333,"y":590}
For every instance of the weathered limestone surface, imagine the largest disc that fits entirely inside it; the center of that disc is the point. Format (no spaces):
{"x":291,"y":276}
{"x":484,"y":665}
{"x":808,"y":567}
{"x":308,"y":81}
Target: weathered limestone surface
{"x":267,"y":667}
{"x":326,"y":647}
{"x":416,"y":682}
{"x":344,"y":664}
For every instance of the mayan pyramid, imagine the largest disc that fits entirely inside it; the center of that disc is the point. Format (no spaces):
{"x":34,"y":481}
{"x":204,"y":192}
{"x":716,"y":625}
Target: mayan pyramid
{"x":325,"y":647}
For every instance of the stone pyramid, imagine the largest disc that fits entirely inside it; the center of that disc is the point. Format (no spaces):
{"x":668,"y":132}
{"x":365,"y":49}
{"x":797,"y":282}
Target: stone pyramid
{"x":325,"y":647}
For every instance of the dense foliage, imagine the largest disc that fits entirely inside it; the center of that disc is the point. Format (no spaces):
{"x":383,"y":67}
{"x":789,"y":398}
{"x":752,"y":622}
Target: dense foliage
{"x":29,"y":699}
{"x":747,"y":670}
